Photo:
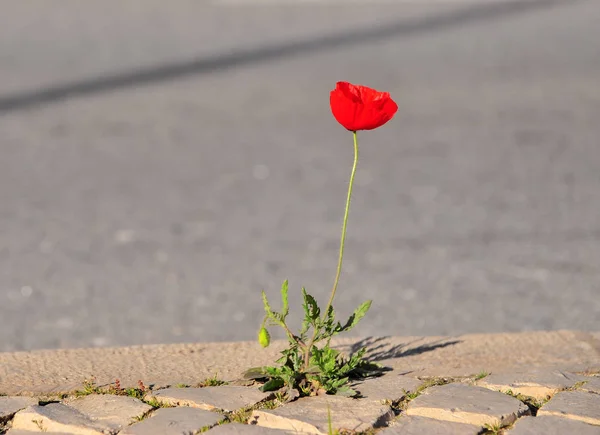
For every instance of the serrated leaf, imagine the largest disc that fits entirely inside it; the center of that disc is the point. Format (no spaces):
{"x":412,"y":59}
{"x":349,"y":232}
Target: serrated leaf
{"x":284,"y":299}
{"x":304,"y":303}
{"x":266,"y":303}
{"x":329,"y":323}
{"x":327,"y":327}
{"x":330,"y":316}
{"x":358,"y":314}
{"x":272,"y":385}
{"x":311,"y":309}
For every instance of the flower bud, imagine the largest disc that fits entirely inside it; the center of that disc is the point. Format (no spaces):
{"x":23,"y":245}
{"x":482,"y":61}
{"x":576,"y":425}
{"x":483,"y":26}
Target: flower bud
{"x":263,"y":337}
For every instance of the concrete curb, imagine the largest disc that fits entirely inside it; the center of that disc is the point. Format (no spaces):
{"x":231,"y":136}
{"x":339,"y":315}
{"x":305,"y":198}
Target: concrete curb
{"x":49,"y":372}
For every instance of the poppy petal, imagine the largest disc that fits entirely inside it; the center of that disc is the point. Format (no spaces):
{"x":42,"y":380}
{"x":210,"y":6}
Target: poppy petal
{"x":358,"y":107}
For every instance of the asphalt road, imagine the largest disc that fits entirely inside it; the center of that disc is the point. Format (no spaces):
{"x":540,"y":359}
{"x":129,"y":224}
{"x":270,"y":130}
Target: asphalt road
{"x":162,"y":162}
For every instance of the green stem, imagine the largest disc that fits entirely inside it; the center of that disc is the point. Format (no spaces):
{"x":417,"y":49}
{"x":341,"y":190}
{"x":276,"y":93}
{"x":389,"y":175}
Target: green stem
{"x":293,"y":337}
{"x":341,"y":257}
{"x":345,"y":223}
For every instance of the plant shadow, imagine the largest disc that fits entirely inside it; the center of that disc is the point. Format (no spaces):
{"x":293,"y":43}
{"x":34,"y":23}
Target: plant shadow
{"x":379,"y":348}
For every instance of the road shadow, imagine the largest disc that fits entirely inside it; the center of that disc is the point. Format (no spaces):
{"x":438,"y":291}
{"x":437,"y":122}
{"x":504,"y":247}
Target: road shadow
{"x":207,"y":65}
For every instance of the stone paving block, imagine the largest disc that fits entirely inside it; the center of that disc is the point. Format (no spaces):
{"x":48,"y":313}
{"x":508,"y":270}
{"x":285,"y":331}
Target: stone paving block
{"x":309,"y":415}
{"x":411,"y":425}
{"x":57,"y":417}
{"x":549,"y":425}
{"x":387,"y":387}
{"x":243,"y":429}
{"x":592,"y":384}
{"x":462,"y":403}
{"x":174,"y":421}
{"x":226,"y":397}
{"x":575,"y":405}
{"x":539,"y":384}
{"x":115,"y":411}
{"x":10,"y":405}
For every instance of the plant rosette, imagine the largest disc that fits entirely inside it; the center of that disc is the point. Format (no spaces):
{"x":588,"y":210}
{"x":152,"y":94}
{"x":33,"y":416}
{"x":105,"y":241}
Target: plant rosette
{"x":309,"y":366}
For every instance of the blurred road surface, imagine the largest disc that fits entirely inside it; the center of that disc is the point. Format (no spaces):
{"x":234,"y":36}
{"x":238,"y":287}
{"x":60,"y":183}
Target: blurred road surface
{"x":162,"y":162}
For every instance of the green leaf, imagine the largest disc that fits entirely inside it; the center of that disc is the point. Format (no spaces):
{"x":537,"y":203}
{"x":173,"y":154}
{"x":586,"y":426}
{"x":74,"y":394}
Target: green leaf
{"x":329,"y":323}
{"x":266,"y":303}
{"x":284,"y":299}
{"x":311,"y":308}
{"x":272,"y":385}
{"x":273,"y":372}
{"x":339,"y":383}
{"x":328,"y":327}
{"x":358,"y":314}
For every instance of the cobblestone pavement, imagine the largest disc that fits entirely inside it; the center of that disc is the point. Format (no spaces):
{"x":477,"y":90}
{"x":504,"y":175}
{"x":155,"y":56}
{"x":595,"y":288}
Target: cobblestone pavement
{"x":162,"y":162}
{"x":538,"y":401}
{"x":525,"y":383}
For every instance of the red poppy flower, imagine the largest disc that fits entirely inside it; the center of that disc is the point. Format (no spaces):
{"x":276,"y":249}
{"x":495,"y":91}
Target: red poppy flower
{"x":358,"y":107}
